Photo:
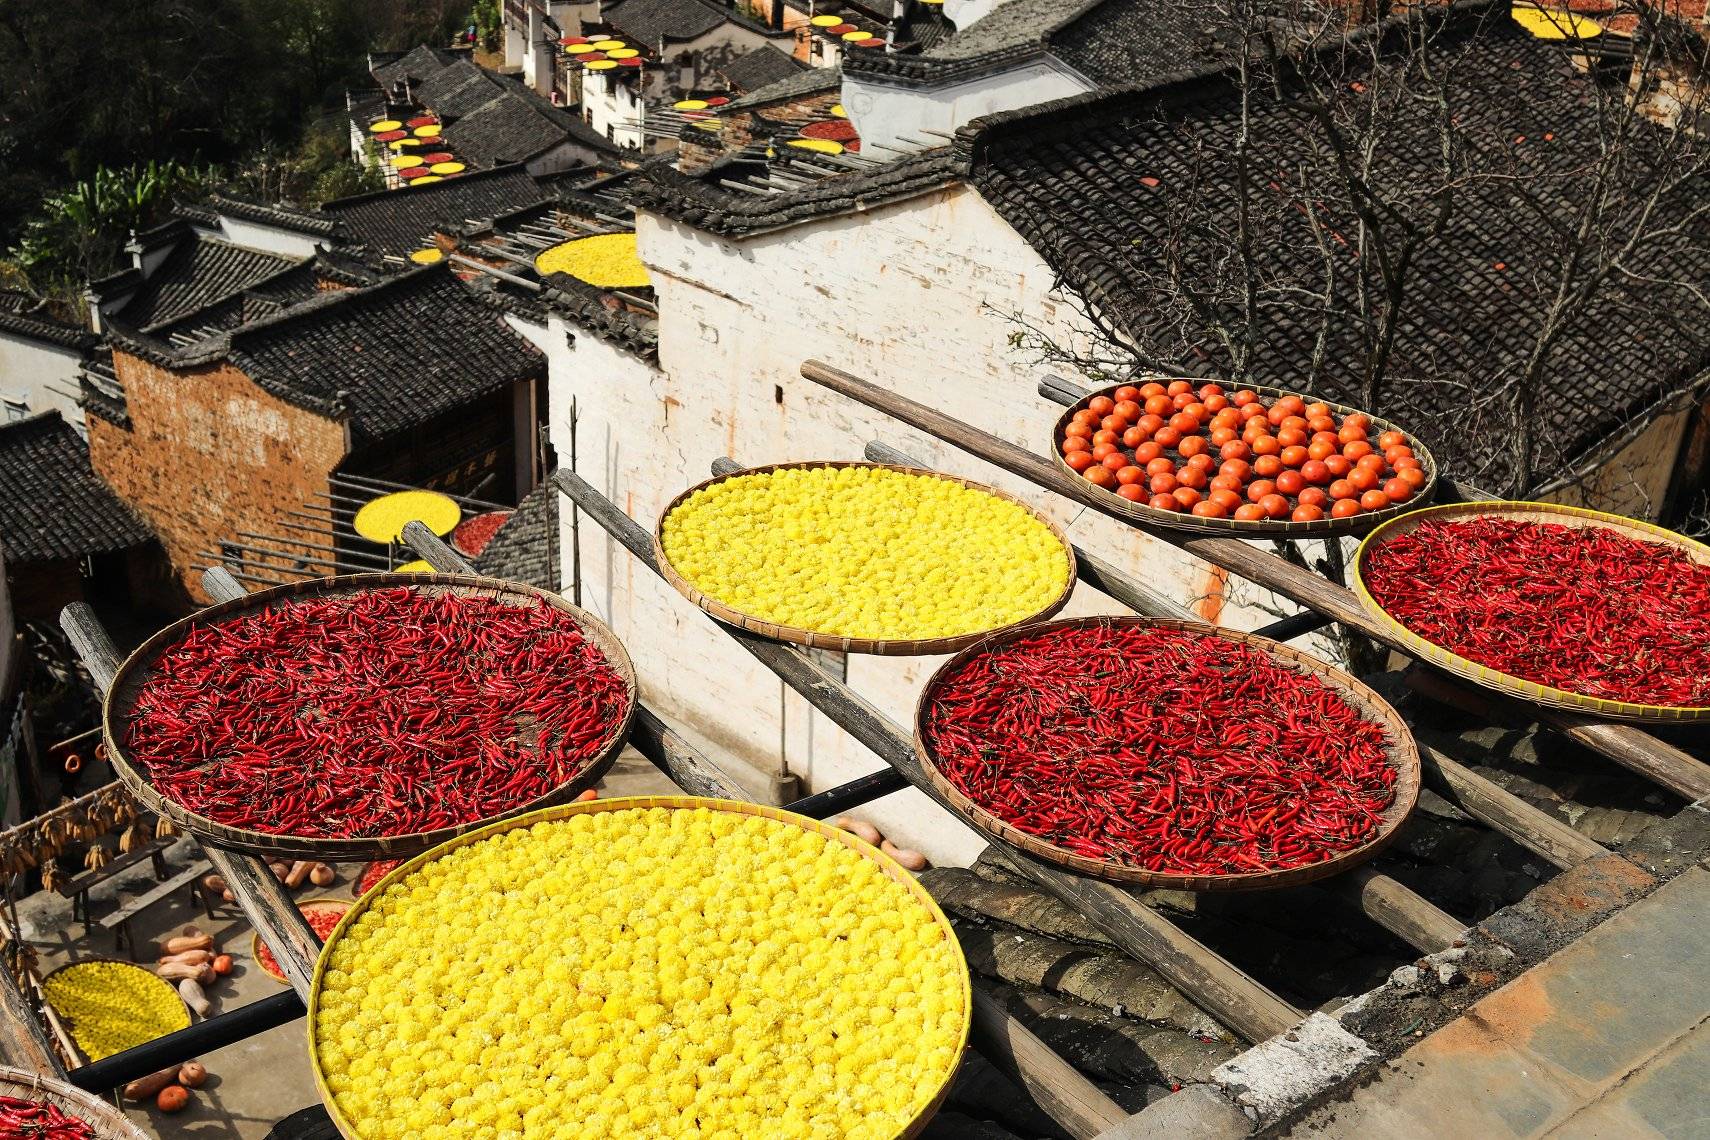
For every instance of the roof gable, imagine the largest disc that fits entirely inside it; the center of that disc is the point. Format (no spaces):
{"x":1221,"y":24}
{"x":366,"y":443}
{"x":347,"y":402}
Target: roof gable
{"x":199,"y":271}
{"x":395,"y":222}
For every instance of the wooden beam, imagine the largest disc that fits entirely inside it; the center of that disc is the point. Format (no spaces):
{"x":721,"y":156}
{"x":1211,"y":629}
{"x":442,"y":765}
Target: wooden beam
{"x":1204,"y":976}
{"x":1624,"y":744}
{"x":1059,"y":1090}
{"x":1496,"y":807}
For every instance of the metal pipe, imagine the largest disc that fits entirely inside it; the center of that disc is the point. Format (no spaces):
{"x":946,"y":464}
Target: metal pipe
{"x":1307,"y":621}
{"x":856,"y":792}
{"x":201,"y":1038}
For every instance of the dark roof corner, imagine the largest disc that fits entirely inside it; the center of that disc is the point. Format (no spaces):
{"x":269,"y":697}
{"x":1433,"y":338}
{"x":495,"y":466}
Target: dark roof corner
{"x":52,"y":504}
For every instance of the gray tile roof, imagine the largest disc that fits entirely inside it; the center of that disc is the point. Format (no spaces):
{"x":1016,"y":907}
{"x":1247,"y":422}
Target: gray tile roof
{"x":279,"y":215}
{"x":650,"y":21}
{"x":457,"y":90}
{"x":392,"y":355}
{"x":416,"y":65}
{"x":813,"y":81}
{"x":398,"y":221}
{"x":26,"y":315}
{"x":664,"y":190}
{"x":526,"y":548}
{"x":764,"y":65}
{"x":1092,"y":182}
{"x":52,"y":504}
{"x":199,"y":271}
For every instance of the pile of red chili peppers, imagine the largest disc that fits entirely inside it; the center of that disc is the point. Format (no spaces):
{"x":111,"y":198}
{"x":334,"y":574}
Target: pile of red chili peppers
{"x":1584,"y":609}
{"x":1165,"y":749}
{"x":40,"y":1120}
{"x":389,"y":712}
{"x":473,"y":534}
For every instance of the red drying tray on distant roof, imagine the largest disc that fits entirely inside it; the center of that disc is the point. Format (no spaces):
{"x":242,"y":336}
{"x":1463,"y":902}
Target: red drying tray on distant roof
{"x":438,"y":156}
{"x":414,"y":172}
{"x":568,"y":40}
{"x":840,"y":29}
{"x":389,"y":136}
{"x":423,"y":121}
{"x":836,"y":130}
{"x":717,"y":101}
{"x":629,"y":62}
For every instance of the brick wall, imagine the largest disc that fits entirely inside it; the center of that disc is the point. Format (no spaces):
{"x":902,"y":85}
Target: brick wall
{"x":210,"y":453}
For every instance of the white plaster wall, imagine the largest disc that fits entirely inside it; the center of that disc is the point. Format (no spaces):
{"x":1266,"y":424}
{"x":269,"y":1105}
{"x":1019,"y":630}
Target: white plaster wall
{"x":268,"y":239}
{"x":915,"y":296}
{"x":612,"y":108}
{"x":887,"y":115}
{"x":965,"y":12}
{"x":42,"y":376}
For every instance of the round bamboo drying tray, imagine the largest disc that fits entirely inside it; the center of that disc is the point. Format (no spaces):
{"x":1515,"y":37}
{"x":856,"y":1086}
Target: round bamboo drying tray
{"x":307,"y":907}
{"x":815,"y":639}
{"x":1180,"y":520}
{"x":70,"y":1024}
{"x":892,"y":869}
{"x":1505,"y":683}
{"x":138,"y":667}
{"x":1403,"y":756}
{"x":103,"y":1119}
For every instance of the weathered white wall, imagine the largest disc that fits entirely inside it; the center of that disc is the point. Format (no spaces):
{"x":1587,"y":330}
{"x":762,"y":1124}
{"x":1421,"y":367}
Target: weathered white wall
{"x":41,"y":376}
{"x":1633,"y":478}
{"x":887,"y":115}
{"x":965,"y":12}
{"x":612,"y":107}
{"x":915,"y":296}
{"x":269,"y":239}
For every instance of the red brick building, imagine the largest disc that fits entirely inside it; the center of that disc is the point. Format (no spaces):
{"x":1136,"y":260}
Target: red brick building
{"x":227,"y":421}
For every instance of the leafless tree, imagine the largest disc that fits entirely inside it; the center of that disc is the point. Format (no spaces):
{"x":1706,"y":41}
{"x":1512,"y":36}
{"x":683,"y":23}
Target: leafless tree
{"x":1303,"y":224}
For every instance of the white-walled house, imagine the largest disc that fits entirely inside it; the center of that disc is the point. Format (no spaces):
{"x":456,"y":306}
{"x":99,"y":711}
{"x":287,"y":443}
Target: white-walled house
{"x":927,"y":273}
{"x":41,"y":358}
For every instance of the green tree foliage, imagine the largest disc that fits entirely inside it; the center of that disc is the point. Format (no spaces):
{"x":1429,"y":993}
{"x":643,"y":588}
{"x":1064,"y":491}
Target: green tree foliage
{"x":76,"y":235}
{"x":91,"y":84}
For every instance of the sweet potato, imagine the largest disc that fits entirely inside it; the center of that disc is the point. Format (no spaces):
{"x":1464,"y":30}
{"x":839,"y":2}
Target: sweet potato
{"x":859,"y":827}
{"x":185,"y":942}
{"x":144,"y":1087}
{"x":298,"y":872}
{"x":189,"y":957}
{"x":907,"y":856}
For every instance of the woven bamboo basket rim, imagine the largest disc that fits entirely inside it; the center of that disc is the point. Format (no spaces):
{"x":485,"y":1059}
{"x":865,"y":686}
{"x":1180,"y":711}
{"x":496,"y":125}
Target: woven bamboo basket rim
{"x":891,"y":868}
{"x":816,"y":639}
{"x":1506,"y":683}
{"x":137,"y":669}
{"x":306,"y":908}
{"x":70,"y":1023}
{"x":1181,"y":520}
{"x":103,"y":1119}
{"x":1403,"y":757}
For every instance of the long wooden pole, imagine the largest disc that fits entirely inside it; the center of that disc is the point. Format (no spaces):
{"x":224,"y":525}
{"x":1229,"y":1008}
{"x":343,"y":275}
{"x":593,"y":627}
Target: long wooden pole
{"x":1206,"y":977}
{"x":1631,"y":747}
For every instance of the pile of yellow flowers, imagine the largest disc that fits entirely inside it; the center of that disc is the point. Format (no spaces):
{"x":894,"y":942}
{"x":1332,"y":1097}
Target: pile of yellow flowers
{"x":113,"y":1006}
{"x":866,"y":552}
{"x":641,"y":971}
{"x":606,"y":260}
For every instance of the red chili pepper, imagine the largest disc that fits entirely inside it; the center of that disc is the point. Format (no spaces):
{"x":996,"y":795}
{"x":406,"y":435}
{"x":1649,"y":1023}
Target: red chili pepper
{"x":384,"y":713}
{"x":40,"y":1120}
{"x":1166,"y":749}
{"x":1585,"y":609}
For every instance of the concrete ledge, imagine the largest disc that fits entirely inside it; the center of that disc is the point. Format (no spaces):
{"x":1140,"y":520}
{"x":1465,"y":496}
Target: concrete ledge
{"x":1276,"y":1077}
{"x":1198,"y":1111}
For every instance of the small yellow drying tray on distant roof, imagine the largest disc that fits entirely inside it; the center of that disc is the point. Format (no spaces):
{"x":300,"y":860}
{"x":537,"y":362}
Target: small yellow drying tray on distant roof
{"x":383,"y":519}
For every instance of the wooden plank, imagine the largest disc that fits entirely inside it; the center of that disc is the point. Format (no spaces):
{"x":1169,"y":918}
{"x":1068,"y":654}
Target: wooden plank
{"x":83,"y":880}
{"x":1227,"y":994}
{"x":262,"y":897}
{"x":23,"y":1038}
{"x":153,"y":895}
{"x":1631,"y":747}
{"x":1536,"y":830}
{"x":1056,"y":1086}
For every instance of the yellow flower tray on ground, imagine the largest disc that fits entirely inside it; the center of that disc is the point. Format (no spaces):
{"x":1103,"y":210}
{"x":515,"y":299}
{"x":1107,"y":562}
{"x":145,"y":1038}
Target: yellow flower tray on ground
{"x":863,"y":557}
{"x":647,"y":966}
{"x":606,"y":260}
{"x":110,"y":1006}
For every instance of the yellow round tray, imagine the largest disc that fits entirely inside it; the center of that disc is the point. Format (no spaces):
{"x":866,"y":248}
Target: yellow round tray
{"x":1506,"y":683}
{"x":892,"y":869}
